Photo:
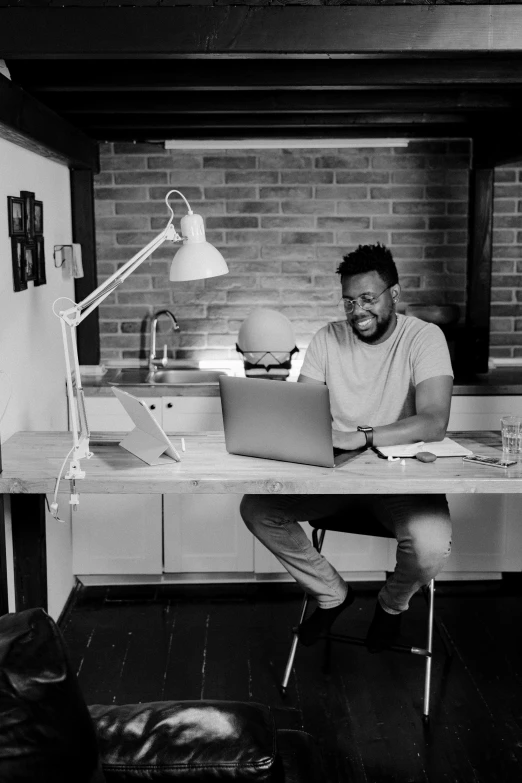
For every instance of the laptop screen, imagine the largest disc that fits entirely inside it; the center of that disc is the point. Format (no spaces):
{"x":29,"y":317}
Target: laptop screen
{"x":280,"y":420}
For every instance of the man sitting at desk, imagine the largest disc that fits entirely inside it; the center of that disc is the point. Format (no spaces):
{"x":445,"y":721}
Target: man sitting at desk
{"x":390,"y":381}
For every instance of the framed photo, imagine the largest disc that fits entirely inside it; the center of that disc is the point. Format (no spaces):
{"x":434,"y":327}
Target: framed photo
{"x":38,"y":217}
{"x":18,"y":258}
{"x":29,"y":269}
{"x":15,"y":207}
{"x":40,"y":278}
{"x":28,"y":198}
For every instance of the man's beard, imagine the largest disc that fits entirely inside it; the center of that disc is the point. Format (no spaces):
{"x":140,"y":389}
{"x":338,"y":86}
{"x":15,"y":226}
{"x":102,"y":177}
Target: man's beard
{"x":380,"y":329}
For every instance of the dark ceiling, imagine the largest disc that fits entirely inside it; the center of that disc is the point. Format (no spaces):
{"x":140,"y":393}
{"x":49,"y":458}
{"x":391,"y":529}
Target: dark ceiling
{"x":238,"y":71}
{"x":158,"y":99}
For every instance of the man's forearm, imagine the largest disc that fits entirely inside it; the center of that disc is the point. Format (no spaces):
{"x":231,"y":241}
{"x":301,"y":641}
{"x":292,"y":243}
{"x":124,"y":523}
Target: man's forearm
{"x":422,"y":426}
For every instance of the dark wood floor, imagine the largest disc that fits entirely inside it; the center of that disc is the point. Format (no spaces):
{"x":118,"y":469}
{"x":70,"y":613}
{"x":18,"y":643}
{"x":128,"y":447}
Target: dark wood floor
{"x":219,"y":642}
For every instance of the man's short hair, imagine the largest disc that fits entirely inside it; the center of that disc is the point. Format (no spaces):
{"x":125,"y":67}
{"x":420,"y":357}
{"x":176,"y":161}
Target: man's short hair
{"x":370,"y":258}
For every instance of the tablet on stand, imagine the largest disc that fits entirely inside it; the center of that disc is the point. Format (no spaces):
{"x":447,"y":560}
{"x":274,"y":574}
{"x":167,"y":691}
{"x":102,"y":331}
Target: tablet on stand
{"x":147,"y":440}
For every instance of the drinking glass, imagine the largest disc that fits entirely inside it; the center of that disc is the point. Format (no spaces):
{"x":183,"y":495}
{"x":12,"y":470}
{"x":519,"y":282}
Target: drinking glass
{"x":511,"y":429}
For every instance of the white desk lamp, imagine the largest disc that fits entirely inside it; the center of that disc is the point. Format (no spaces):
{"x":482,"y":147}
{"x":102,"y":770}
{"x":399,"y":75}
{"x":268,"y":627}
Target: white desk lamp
{"x":196,"y":259}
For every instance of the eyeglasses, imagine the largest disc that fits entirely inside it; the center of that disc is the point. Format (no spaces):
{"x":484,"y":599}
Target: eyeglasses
{"x":365,"y":301}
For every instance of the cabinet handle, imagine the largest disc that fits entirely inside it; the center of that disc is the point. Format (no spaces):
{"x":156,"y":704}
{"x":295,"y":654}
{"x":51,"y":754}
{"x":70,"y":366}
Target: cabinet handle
{"x":152,"y":407}
{"x":169,"y":405}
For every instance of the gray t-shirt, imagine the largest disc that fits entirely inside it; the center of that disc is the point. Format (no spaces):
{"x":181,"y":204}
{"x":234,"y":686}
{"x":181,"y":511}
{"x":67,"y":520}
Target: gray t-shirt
{"x":375,"y":384}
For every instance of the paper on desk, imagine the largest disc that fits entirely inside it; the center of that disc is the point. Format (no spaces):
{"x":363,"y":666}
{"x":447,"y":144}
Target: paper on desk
{"x":441,"y":448}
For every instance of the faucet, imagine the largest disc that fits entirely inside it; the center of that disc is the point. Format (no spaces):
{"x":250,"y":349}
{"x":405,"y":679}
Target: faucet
{"x":153,"y":327}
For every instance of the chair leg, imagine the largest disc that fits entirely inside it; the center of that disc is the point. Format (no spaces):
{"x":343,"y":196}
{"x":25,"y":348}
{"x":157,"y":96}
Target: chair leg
{"x":429,"y":648}
{"x":318,"y":544}
{"x":318,"y":539}
{"x":293,"y":648}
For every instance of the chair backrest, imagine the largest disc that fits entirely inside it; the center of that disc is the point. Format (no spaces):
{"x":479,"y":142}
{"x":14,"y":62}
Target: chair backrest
{"x":46,"y":732}
{"x":358,"y":521}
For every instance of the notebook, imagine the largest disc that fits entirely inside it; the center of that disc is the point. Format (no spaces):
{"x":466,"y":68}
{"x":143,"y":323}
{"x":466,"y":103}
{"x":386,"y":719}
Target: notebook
{"x":281,"y":420}
{"x":441,"y":448}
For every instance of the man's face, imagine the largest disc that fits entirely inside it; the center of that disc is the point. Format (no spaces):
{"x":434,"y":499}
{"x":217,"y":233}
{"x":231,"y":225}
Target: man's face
{"x":375,"y":324}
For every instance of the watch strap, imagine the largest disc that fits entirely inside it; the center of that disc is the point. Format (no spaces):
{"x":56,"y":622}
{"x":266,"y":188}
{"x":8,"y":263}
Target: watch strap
{"x":368,"y":433}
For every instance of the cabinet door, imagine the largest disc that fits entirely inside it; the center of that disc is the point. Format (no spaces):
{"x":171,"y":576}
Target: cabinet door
{"x":482,"y":413}
{"x":205,"y":533}
{"x":192,"y":414}
{"x":107,"y":414}
{"x":484,"y":526}
{"x":486,"y":537}
{"x":356,"y":555}
{"x":479,"y":533}
{"x":117,"y":534}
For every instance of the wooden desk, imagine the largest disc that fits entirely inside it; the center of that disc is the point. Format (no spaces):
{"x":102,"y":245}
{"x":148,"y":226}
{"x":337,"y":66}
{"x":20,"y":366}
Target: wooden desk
{"x":32,"y":460}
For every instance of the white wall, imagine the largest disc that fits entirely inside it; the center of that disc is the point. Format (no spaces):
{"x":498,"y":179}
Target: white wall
{"x":30,"y":334}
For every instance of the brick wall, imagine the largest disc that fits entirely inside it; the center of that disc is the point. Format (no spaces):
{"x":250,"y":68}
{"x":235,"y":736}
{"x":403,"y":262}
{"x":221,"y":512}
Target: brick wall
{"x":283,"y":220}
{"x":506,"y":293}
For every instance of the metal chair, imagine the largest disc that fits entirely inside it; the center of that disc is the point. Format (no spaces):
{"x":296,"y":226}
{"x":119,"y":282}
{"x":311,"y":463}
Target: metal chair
{"x":371,"y":526}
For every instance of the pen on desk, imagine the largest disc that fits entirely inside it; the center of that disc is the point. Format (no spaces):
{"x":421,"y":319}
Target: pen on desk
{"x":182,"y":444}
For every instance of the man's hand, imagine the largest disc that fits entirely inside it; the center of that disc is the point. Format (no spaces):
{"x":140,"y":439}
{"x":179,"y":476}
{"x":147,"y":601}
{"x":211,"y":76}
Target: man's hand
{"x":348,"y":441}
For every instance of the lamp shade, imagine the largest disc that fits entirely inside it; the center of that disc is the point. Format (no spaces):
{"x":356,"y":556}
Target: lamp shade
{"x":196,"y":258}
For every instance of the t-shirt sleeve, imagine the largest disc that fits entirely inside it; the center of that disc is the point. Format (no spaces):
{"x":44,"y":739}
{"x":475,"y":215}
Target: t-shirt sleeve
{"x":314,"y":363}
{"x":431,"y":355}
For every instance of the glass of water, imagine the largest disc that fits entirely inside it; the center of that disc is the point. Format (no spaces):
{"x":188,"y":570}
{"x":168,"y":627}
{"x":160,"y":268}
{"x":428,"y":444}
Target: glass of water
{"x":511,"y":429}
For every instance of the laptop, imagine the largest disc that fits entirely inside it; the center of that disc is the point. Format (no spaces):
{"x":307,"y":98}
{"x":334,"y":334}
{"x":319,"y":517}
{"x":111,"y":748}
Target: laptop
{"x":280,"y":420}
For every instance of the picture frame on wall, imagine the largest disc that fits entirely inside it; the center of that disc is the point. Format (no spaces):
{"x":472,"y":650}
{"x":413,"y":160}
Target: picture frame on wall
{"x":40,"y":278}
{"x":29,"y":272}
{"x":15,"y":212}
{"x":28,"y":198}
{"x":38,"y":217}
{"x":18,"y":259}
{"x":25,"y":217}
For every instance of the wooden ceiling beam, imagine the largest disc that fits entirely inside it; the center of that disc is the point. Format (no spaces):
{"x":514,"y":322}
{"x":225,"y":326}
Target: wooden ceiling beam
{"x":277,"y":121}
{"x":246,"y":31}
{"x":496,"y":144}
{"x":259,"y":125}
{"x":328,"y":101}
{"x":151,"y":134}
{"x":29,"y":124}
{"x":108,"y":76}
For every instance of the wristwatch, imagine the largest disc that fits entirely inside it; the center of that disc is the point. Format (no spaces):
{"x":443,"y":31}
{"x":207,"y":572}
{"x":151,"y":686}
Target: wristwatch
{"x":368,"y":432}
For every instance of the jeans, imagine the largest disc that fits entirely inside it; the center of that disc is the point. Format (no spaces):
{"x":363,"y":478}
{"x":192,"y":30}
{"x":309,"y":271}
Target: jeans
{"x":420,"y":523}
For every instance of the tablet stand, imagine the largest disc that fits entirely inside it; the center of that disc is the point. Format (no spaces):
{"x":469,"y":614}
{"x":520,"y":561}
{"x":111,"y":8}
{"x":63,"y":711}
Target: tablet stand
{"x":144,"y":446}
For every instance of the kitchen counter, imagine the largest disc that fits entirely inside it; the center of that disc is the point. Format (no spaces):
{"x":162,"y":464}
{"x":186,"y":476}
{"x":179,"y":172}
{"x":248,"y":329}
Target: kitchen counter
{"x":101,"y":387}
{"x":497,"y":382}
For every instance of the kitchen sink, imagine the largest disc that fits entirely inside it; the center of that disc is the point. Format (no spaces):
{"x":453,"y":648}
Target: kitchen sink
{"x":186,"y":376}
{"x":142,"y":376}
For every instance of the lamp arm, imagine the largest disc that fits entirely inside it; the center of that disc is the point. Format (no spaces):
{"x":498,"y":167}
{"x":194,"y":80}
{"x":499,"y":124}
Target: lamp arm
{"x":80,"y":310}
{"x":73,"y":316}
{"x":70,"y":319}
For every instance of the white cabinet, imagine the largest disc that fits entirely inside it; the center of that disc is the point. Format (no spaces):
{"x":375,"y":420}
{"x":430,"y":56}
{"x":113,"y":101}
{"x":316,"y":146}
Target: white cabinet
{"x":107,"y":414}
{"x":191,"y":414}
{"x":133,"y":534}
{"x":175,"y":414}
{"x":482,"y":413}
{"x":484,"y":526}
{"x":363,"y":557}
{"x":117,"y":534}
{"x":205,"y":533}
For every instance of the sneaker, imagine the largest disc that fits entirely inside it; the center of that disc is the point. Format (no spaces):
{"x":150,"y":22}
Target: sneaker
{"x":320,"y":621}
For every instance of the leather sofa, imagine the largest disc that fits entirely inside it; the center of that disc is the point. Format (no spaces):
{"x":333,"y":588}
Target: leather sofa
{"x":49,"y":735}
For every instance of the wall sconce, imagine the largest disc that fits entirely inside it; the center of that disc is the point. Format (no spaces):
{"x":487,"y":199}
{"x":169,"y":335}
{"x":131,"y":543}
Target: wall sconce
{"x":70,"y":256}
